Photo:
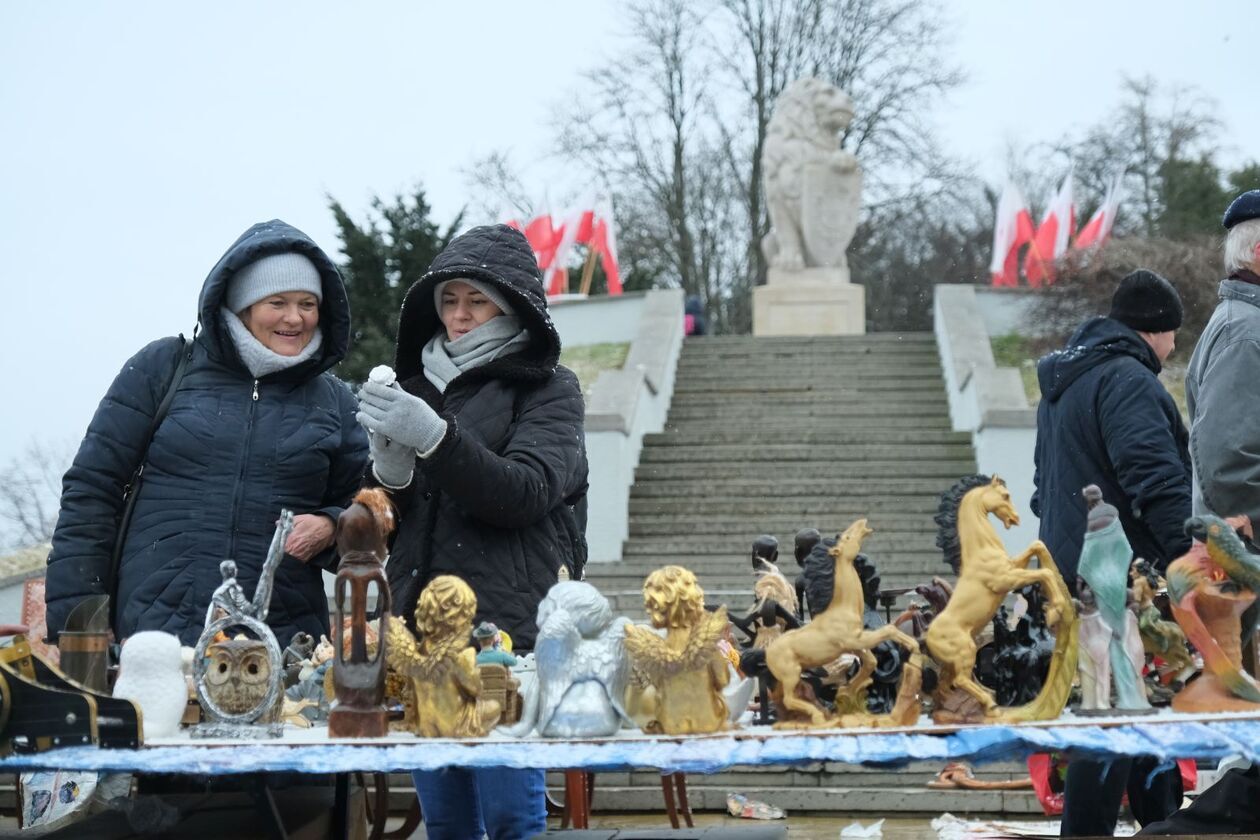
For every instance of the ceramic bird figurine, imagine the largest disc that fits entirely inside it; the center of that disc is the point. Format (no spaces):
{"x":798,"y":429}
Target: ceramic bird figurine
{"x":1212,"y":590}
{"x":151,"y":674}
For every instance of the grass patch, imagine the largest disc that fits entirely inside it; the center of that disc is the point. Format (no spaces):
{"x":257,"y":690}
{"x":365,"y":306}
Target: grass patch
{"x":1018,"y":352}
{"x":588,"y":360}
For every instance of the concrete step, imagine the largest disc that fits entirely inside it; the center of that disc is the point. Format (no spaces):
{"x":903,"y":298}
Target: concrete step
{"x":713,"y":549}
{"x":807,"y":509}
{"x":834,"y":488}
{"x":804,"y":399}
{"x":790,"y":471}
{"x":788,"y":425}
{"x":784,"y":528}
{"x":734,"y":574}
{"x":794,"y":452}
{"x":748,"y":411}
{"x":872,"y":436}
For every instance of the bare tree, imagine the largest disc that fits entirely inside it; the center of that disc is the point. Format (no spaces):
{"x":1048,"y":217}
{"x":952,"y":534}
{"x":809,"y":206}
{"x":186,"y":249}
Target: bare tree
{"x":30,"y":493}
{"x":678,"y":123}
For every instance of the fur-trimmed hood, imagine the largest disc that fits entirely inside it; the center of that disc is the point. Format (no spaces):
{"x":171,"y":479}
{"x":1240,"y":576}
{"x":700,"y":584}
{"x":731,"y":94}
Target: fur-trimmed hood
{"x":494,"y":254}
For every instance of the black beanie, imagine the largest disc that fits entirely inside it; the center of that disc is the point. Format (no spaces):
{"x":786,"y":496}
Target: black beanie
{"x":1146,"y":302}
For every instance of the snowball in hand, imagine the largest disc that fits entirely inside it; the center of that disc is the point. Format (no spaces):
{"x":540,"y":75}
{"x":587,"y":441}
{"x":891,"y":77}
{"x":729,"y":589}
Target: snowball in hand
{"x":382,"y":375}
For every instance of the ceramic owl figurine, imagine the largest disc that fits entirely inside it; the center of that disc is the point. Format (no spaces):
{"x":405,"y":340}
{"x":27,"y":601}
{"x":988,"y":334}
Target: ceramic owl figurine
{"x":151,"y":674}
{"x":238,"y":676}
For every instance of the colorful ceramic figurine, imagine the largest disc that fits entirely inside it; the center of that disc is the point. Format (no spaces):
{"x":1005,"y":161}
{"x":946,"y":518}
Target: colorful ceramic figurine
{"x":685,"y":669}
{"x":1104,"y":566}
{"x":442,"y":666}
{"x":581,"y":664}
{"x":358,"y":675}
{"x":1213,"y":594}
{"x":986,"y":574}
{"x":834,"y":631}
{"x":1160,"y":638}
{"x":489,"y":639}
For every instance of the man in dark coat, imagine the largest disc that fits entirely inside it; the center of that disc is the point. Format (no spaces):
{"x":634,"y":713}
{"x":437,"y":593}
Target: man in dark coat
{"x":1105,"y":419}
{"x":237,"y":445}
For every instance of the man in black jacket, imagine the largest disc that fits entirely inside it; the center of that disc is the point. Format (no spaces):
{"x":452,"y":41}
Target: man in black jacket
{"x":1105,"y":419}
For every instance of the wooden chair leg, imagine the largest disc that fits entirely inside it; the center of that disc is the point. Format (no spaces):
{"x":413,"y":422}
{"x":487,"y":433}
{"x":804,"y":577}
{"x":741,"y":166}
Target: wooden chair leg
{"x":667,"y":789}
{"x":684,"y":807}
{"x":377,"y":804}
{"x":576,"y":801}
{"x":410,"y":823}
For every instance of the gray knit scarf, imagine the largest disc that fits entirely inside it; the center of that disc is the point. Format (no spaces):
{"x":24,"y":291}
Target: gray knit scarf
{"x":444,"y":360}
{"x":258,"y":358}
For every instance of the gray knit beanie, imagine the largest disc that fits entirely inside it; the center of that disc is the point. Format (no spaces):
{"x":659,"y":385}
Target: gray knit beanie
{"x":490,"y":290}
{"x":288,"y":272}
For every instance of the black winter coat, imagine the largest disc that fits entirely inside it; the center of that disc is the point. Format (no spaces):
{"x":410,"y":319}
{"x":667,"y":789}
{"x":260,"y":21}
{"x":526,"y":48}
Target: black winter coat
{"x":1105,"y":419}
{"x":232,"y":452}
{"x":501,"y":502}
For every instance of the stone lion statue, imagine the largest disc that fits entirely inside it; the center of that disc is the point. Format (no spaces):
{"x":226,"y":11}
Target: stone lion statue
{"x":813,"y":187}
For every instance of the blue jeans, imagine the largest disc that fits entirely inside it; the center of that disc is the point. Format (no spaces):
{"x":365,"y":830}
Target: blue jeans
{"x":467,"y":803}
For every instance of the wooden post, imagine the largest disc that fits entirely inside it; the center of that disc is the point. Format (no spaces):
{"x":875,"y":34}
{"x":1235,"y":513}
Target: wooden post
{"x":588,"y":272}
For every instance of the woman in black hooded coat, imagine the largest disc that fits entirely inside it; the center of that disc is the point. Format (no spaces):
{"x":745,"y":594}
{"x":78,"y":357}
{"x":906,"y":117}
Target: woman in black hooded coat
{"x":481,"y":444}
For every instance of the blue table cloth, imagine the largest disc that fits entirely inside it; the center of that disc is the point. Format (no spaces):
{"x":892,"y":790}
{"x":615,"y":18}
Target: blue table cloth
{"x":310,"y":751}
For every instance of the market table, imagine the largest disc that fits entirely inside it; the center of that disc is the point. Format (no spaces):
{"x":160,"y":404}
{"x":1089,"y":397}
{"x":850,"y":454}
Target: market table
{"x":1166,"y":735}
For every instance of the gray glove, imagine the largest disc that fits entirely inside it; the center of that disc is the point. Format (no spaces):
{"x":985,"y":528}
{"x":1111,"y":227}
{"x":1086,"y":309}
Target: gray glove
{"x":392,"y":463}
{"x":391,"y":411}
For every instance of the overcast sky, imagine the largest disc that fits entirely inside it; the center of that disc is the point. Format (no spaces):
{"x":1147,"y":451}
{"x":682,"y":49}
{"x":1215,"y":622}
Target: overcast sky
{"x":141,"y":138}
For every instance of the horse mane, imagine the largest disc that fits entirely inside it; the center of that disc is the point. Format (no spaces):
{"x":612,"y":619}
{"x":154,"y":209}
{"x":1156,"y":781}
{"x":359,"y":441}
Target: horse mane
{"x":946,"y":518}
{"x":820,"y":576}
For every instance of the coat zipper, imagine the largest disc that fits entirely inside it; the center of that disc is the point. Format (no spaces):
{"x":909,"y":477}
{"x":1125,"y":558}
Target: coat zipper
{"x":240,"y":477}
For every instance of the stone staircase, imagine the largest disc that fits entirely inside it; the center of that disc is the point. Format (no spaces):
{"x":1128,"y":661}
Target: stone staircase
{"x":770,"y":435}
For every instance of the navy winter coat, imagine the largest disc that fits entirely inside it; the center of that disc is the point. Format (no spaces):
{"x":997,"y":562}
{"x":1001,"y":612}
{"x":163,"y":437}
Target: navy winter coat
{"x":1105,"y":419}
{"x":501,"y":502}
{"x":232,"y":452}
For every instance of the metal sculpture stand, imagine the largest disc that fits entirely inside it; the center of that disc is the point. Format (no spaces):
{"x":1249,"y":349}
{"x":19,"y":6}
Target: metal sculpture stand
{"x":251,"y":617}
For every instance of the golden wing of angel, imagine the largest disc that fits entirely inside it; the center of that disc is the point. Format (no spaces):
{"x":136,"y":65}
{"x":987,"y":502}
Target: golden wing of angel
{"x":654,"y":657}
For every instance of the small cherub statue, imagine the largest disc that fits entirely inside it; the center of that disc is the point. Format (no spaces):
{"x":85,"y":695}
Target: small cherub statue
{"x":582,"y":667}
{"x":489,"y":639}
{"x":442,"y":667}
{"x":685,"y":668}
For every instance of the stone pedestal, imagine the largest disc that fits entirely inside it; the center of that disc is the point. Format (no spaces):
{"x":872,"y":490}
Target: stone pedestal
{"x":811,"y":301}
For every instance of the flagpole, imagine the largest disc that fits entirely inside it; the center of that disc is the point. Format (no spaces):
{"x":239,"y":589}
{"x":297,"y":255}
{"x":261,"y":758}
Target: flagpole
{"x":588,"y":271}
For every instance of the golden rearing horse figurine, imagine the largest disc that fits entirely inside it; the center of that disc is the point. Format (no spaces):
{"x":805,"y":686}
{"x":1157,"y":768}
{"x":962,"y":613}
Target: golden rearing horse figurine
{"x":986,"y":575}
{"x":836,"y":630}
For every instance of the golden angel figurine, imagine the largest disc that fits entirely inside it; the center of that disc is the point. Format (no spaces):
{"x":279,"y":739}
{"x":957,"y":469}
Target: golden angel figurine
{"x":442,"y":666}
{"x":686,"y":668}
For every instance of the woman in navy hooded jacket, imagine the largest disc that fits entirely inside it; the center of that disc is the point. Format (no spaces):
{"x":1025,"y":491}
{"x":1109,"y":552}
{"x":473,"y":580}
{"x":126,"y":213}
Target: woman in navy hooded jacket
{"x":257,"y":425}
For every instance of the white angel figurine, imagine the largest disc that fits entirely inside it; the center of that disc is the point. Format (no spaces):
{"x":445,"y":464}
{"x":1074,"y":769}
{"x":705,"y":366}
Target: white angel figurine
{"x":581,"y":666}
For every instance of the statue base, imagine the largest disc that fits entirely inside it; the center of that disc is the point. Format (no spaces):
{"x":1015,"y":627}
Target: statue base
{"x":811,"y":301}
{"x":354,"y":722}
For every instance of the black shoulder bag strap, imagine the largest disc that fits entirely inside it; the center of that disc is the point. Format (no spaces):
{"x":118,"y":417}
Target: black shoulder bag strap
{"x":132,"y":489}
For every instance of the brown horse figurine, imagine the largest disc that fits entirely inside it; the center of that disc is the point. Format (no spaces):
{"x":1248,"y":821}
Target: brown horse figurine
{"x":835,"y":631}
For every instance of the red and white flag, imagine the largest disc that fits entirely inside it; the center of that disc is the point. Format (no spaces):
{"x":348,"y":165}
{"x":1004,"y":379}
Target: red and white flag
{"x":1012,"y":229}
{"x":1098,"y":229}
{"x":604,"y":242}
{"x":1050,"y":242}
